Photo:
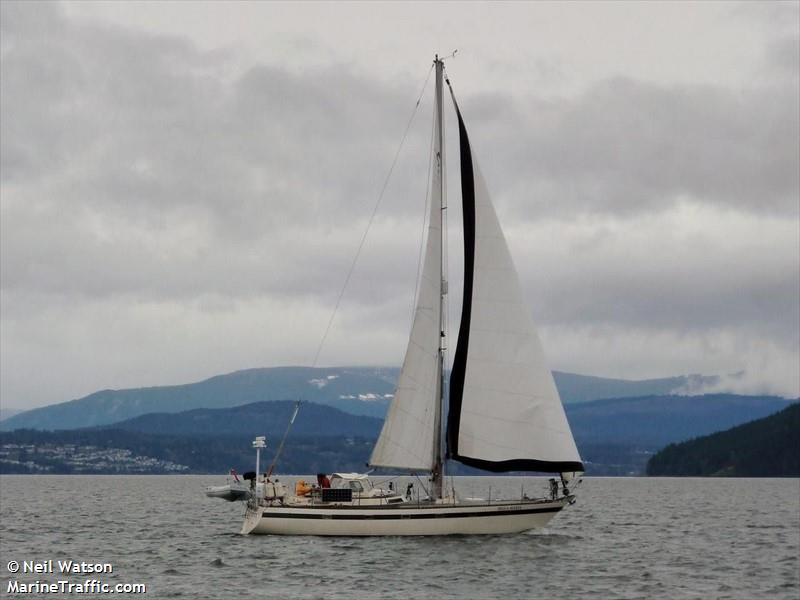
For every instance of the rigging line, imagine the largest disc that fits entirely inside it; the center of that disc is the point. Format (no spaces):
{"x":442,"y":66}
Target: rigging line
{"x":369,"y":223}
{"x":422,"y":485}
{"x":283,"y":441}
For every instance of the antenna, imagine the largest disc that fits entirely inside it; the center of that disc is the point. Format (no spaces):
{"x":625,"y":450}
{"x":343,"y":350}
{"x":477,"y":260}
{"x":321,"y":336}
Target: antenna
{"x":259,"y":443}
{"x":437,"y":58}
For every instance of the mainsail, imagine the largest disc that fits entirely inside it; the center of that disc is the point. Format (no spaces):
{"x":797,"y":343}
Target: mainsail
{"x":408,"y":436}
{"x":505,"y":412}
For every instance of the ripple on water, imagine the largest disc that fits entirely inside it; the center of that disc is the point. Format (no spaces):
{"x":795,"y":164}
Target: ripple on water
{"x":625,"y":538}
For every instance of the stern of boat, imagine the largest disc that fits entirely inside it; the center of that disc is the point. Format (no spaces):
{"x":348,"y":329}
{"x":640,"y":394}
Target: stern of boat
{"x":252,"y":517}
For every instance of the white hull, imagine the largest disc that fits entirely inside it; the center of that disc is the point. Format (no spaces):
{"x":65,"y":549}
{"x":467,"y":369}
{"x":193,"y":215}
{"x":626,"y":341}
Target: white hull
{"x":442,"y":519}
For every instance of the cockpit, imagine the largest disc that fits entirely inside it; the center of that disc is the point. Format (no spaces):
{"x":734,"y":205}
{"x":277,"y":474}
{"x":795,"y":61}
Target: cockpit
{"x":358,"y":482}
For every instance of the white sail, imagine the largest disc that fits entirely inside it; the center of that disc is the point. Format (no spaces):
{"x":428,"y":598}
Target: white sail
{"x":408,"y":435}
{"x":506,"y":413}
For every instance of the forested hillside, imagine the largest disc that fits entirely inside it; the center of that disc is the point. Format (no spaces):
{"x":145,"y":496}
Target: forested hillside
{"x":768,"y":447}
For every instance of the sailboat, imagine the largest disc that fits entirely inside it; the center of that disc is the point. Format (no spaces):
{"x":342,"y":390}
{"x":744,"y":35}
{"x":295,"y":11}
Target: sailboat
{"x":504,"y":412}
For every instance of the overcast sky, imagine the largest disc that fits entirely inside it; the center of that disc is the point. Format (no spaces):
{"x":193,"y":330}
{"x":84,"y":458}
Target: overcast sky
{"x":184,"y":185}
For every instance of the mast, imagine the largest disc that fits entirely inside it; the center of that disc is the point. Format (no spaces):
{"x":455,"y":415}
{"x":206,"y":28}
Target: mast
{"x":412,"y":434}
{"x":437,"y":475}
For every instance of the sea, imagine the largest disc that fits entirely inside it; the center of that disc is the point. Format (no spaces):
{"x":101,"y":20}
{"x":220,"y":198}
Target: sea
{"x":625,"y":538}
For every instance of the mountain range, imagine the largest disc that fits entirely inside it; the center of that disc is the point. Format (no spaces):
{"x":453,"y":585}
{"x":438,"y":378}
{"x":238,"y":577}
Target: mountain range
{"x":618,"y":424}
{"x":269,"y":418}
{"x":649,"y":422}
{"x":363,"y":391}
{"x":614,"y":437}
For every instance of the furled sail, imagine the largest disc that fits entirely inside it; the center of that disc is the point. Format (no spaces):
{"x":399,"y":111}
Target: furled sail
{"x":505,"y":412}
{"x":408,"y":435}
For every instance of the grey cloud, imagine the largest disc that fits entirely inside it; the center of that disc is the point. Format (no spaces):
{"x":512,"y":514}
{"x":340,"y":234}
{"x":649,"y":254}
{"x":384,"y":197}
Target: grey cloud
{"x":675,"y":292}
{"x":696,"y":270}
{"x":143,"y":167}
{"x":158,"y":124}
{"x":626,"y":147}
{"x":784,"y":54}
{"x":145,"y":139}
{"x":139,"y":171}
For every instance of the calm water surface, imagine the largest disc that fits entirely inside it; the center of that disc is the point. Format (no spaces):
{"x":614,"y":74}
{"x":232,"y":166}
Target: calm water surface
{"x":625,"y":538}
